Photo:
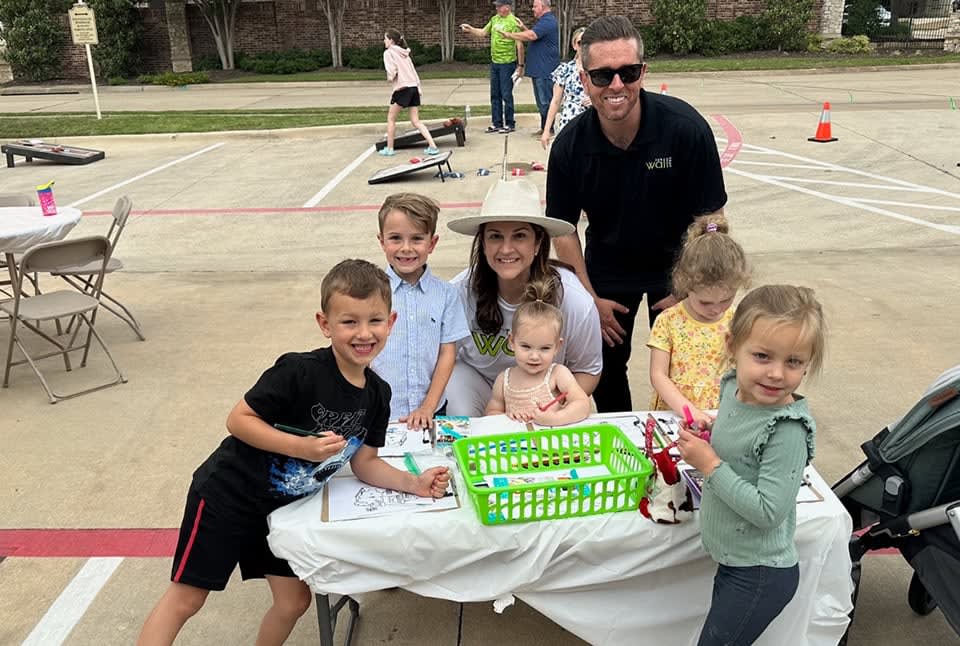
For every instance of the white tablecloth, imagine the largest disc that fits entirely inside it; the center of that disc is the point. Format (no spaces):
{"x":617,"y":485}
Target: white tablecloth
{"x":22,"y":227}
{"x":610,"y":579}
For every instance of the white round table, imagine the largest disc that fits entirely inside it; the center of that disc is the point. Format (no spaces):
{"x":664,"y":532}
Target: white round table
{"x":22,"y":227}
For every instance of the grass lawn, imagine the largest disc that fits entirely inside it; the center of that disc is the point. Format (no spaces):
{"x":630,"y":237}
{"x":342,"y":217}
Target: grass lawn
{"x":78,"y":124}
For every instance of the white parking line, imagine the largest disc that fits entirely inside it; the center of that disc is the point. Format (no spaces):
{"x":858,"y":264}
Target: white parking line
{"x":830,"y":182}
{"x":146,"y":174}
{"x":932,"y":207}
{"x":332,"y":184}
{"x":946,"y":228}
{"x":55,"y":626}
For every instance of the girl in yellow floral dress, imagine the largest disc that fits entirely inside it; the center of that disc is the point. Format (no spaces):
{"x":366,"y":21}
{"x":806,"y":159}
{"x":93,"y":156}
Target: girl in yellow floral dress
{"x":687,"y":352}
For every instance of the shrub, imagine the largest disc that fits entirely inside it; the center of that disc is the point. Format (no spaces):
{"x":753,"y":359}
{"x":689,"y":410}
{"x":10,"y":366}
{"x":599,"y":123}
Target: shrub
{"x":35,"y":36}
{"x":365,"y":58}
{"x":679,"y":24}
{"x":211,"y":62}
{"x":786,"y":23}
{"x":289,"y":61}
{"x":742,"y":34}
{"x":650,"y":44}
{"x":470,"y":55}
{"x":175,"y":79}
{"x":116,"y":80}
{"x":121,"y":37}
{"x":422,"y":54}
{"x":814,"y":43}
{"x":856,"y":45}
{"x":861,"y":17}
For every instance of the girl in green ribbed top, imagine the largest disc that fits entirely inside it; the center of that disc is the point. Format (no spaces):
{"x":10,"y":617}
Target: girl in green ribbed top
{"x":753,"y":466}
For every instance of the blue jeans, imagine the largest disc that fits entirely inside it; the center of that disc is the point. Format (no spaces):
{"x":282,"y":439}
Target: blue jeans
{"x":745,"y":601}
{"x":542,"y":94}
{"x":501,"y":94}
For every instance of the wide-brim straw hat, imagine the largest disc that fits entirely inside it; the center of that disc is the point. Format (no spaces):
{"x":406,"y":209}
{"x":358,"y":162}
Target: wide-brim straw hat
{"x":511,"y":201}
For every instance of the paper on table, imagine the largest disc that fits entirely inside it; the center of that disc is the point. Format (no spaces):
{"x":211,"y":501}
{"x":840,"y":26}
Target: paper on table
{"x":349,"y":498}
{"x":401,"y":440}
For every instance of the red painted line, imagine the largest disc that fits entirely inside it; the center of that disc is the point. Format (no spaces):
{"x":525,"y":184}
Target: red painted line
{"x":734,"y":140}
{"x":87,"y":543}
{"x":346,"y":208}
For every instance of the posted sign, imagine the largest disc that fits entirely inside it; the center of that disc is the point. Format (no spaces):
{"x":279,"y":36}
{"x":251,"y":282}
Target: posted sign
{"x":83,"y":25}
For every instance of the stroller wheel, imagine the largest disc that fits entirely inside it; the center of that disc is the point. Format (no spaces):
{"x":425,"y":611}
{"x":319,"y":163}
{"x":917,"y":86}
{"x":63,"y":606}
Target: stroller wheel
{"x":919,"y":599}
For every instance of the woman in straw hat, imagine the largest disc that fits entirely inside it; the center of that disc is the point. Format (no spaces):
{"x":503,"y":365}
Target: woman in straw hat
{"x":511,"y":246}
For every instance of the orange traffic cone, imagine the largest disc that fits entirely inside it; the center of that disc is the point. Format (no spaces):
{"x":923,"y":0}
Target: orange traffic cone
{"x":663,"y":88}
{"x":823,"y":128}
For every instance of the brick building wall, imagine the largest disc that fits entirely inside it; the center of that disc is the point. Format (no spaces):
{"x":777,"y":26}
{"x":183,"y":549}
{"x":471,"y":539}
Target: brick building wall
{"x":274,"y":25}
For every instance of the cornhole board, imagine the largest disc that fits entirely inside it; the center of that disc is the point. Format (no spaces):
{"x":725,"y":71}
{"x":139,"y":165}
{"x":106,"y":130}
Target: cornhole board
{"x":413,"y":138}
{"x":388,"y":174}
{"x":52,"y":152}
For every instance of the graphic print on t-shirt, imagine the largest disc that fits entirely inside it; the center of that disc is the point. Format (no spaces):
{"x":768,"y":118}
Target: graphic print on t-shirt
{"x":293,"y":477}
{"x":491,"y":344}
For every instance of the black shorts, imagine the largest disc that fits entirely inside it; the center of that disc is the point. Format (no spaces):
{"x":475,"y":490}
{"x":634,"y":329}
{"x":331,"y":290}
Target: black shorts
{"x":406,"y":97}
{"x":212,"y":543}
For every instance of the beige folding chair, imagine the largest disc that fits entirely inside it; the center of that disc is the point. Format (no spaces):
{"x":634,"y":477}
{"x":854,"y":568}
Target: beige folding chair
{"x":81,"y":276}
{"x":50,"y":257}
{"x":13,"y":199}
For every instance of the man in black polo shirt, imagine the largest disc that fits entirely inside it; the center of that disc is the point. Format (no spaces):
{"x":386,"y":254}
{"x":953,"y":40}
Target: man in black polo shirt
{"x":642,"y":166}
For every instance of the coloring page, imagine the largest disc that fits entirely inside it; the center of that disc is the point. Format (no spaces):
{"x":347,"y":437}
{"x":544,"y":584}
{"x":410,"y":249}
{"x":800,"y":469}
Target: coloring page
{"x":349,"y":498}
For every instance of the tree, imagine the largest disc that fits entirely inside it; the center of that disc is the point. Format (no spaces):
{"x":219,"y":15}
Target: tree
{"x":333,"y":10}
{"x":34,"y":36}
{"x":121,"y":37}
{"x":448,"y":15}
{"x":566,"y":11}
{"x":221,"y":16}
{"x":787,"y":22}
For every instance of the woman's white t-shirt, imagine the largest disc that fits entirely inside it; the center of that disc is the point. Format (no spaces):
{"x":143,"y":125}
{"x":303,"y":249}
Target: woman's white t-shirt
{"x":490,"y":355}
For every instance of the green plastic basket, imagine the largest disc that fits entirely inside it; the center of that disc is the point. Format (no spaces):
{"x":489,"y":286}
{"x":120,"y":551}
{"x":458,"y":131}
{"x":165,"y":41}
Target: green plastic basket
{"x":494,"y":466}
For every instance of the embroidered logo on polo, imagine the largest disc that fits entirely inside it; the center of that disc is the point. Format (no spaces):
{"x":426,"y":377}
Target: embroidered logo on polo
{"x":491,"y":345}
{"x":660,"y":163}
{"x":294,"y":477}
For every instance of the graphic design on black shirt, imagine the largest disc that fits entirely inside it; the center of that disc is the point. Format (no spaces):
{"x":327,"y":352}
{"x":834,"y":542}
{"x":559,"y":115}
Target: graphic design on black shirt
{"x":294,"y":477}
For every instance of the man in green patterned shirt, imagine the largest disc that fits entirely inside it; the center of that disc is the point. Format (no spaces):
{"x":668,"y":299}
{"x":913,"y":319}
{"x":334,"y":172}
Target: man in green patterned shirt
{"x":506,"y":58}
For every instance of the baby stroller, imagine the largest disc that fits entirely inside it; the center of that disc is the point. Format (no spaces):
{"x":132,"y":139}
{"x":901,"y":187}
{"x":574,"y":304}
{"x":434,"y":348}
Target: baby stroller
{"x":907,"y":496}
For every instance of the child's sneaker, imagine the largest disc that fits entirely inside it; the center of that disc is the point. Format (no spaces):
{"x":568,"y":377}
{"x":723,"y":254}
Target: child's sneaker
{"x":386,"y":152}
{"x":507,"y":130}
{"x":492,"y":129}
{"x":432,"y":150}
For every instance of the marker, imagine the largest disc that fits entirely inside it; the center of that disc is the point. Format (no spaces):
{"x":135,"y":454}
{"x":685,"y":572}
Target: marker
{"x":293,"y":430}
{"x":559,"y":398}
{"x":688,"y":418}
{"x":411,"y":463}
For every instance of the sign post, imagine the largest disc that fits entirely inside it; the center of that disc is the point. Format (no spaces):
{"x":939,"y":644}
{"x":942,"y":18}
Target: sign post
{"x":83,"y":28}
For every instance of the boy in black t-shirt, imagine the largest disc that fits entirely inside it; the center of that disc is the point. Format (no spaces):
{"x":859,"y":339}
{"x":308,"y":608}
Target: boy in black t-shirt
{"x":331,"y":393}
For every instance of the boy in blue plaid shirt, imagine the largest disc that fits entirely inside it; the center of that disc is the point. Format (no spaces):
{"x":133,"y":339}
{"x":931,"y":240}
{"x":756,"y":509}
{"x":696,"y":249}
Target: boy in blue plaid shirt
{"x":419,"y":356}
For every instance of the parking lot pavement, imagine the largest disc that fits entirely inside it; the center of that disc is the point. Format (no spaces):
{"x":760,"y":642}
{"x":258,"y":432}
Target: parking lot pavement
{"x":232,"y":232}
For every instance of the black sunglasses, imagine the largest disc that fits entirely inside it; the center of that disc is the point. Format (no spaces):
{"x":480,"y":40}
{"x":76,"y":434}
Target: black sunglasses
{"x":603,"y":76}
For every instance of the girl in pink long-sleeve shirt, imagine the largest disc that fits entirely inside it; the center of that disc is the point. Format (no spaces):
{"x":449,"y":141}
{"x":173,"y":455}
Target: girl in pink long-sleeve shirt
{"x":406,"y":91}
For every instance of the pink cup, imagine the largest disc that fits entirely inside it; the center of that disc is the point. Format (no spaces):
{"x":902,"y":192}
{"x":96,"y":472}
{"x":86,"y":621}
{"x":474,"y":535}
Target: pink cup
{"x":47,"y":204}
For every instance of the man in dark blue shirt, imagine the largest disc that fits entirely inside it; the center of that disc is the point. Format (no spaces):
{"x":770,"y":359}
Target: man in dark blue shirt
{"x":543,"y":55}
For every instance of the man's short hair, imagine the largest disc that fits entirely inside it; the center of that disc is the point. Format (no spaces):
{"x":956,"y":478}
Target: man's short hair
{"x":355,"y":278}
{"x":500,"y":3}
{"x":606,"y":29}
{"x":419,"y":208}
